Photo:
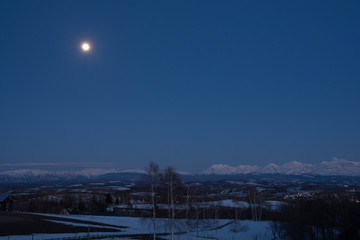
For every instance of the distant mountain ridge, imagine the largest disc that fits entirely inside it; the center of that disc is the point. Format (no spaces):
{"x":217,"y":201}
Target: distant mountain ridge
{"x":335,"y":167}
{"x":84,"y":175}
{"x":87,"y":172}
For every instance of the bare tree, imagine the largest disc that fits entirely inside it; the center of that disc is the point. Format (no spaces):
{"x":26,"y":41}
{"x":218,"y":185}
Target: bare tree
{"x":190,"y":192}
{"x":173,"y":183}
{"x":256,"y":204}
{"x":152,"y":175}
{"x":198,"y":206}
{"x":238,"y":208}
{"x":216,"y":210}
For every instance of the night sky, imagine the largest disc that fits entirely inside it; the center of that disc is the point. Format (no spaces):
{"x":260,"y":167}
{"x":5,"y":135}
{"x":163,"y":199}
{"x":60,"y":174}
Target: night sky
{"x":183,"y":83}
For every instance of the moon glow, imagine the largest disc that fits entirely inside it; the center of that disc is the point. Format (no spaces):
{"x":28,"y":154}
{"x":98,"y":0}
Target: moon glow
{"x":85,"y":47}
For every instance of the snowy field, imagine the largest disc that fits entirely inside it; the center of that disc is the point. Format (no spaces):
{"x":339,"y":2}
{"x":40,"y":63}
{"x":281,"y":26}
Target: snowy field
{"x":224,"y":229}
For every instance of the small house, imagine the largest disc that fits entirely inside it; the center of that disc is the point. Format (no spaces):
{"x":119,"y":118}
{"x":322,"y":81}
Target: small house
{"x":6,"y":202}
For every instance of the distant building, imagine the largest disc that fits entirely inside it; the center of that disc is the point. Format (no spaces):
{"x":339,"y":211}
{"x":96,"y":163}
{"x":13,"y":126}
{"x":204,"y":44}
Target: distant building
{"x":6,"y":202}
{"x":59,"y":210}
{"x":64,"y":212}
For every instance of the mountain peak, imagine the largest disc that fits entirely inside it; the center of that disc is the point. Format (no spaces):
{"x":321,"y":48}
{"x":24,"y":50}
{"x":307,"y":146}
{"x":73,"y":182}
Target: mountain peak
{"x":221,"y":169}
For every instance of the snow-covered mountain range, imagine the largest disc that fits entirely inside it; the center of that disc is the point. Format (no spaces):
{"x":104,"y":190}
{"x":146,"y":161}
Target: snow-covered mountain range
{"x":87,"y":172}
{"x":335,"y":167}
{"x":55,"y":176}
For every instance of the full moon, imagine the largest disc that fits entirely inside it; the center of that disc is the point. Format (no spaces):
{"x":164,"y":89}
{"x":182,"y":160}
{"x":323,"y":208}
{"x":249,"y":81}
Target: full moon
{"x":85,"y":47}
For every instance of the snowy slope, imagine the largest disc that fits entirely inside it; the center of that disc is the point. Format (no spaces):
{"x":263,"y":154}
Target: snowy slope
{"x":224,"y":229}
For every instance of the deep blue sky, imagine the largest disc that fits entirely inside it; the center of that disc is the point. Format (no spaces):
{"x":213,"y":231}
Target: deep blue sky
{"x":183,"y":83}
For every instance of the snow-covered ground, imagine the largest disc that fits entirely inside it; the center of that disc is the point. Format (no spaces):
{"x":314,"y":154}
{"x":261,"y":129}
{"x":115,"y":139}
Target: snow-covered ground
{"x":274,"y":205}
{"x":223,"y":229}
{"x":82,"y":224}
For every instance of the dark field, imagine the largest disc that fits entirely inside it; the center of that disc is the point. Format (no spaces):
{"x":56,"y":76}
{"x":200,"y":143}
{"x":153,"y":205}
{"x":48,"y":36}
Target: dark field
{"x":12,"y":223}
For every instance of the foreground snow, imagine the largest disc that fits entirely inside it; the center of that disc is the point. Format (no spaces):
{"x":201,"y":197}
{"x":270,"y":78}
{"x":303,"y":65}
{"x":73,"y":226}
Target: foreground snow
{"x":220,"y":229}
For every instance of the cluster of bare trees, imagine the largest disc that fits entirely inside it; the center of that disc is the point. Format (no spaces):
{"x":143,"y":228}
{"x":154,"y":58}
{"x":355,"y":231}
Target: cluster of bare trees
{"x":163,"y":183}
{"x":189,"y":202}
